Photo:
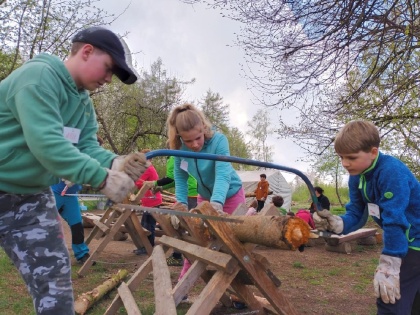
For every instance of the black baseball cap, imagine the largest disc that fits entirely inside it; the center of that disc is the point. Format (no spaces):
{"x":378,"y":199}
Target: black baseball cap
{"x":109,"y":42}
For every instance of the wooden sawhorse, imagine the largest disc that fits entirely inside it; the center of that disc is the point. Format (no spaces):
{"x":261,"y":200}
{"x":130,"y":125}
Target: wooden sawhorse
{"x":233,"y":264}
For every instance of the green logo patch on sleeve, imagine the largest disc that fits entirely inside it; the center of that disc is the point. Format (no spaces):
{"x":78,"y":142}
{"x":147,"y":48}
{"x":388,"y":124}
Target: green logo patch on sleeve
{"x":388,"y":195}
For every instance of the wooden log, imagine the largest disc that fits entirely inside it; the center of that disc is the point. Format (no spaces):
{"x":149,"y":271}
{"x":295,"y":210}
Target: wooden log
{"x":86,"y":300}
{"x":120,"y":236}
{"x":378,"y":237}
{"x":345,"y":248}
{"x":281,"y":232}
{"x":370,"y":240}
{"x":360,"y":233}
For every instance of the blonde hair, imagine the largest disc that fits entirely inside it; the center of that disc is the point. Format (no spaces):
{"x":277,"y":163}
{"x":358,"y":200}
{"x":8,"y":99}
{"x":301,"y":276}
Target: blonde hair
{"x":184,"y":118}
{"x":355,"y":136}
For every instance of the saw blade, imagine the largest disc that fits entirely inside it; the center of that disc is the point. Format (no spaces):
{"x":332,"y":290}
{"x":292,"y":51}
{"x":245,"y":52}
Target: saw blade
{"x":180,"y":213}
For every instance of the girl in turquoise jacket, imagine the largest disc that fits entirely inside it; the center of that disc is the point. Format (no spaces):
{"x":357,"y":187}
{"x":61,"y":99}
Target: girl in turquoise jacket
{"x":217,"y":181}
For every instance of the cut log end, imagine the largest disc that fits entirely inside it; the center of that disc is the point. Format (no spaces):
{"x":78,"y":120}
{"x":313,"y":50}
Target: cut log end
{"x":296,"y":232}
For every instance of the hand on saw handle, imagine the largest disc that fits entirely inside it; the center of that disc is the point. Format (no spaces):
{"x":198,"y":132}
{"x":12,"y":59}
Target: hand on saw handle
{"x":133,"y":164}
{"x":156,"y":189}
{"x":150,"y":184}
{"x":174,"y":219}
{"x":325,"y":221}
{"x":117,"y":185}
{"x":218,"y":207}
{"x":387,"y":279}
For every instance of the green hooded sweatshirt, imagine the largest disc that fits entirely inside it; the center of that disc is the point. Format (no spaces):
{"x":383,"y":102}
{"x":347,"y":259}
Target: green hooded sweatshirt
{"x":36,"y":102}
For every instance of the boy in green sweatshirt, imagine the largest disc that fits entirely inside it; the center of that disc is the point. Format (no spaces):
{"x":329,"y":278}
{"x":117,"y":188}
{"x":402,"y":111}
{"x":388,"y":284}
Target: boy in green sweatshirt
{"x":48,"y":127}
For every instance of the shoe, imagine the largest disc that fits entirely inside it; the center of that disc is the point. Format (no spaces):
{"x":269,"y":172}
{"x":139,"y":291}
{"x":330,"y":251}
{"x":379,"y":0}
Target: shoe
{"x":239,"y":305}
{"x":172,"y":261}
{"x":185,"y":299}
{"x":140,"y":251}
{"x":82,"y":260}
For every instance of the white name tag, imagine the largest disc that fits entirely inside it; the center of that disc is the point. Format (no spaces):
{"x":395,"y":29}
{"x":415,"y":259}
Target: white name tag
{"x":184,"y":165}
{"x":374,"y":210}
{"x":71,"y":134}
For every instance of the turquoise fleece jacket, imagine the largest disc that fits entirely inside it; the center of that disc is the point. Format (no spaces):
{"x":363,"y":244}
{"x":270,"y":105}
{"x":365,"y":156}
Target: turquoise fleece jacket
{"x":216,"y":180}
{"x":36,"y":102}
{"x":389,"y":184}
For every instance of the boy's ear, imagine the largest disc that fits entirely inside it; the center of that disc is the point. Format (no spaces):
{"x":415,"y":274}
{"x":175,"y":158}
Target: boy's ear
{"x":86,"y":51}
{"x":374,"y":151}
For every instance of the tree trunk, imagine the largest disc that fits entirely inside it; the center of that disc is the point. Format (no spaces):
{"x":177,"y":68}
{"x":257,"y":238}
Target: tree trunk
{"x":86,"y":300}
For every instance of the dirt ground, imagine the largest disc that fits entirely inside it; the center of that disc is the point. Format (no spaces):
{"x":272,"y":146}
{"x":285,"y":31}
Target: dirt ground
{"x":314,"y":281}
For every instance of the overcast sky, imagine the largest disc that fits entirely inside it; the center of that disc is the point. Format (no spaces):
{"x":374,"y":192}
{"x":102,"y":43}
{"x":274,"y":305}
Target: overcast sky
{"x":196,"y":42}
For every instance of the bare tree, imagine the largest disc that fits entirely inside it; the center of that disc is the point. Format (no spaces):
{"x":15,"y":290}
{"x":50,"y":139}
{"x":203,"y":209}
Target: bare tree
{"x":30,"y":27}
{"x":259,"y":130}
{"x":334,"y":61}
{"x":134,"y":116}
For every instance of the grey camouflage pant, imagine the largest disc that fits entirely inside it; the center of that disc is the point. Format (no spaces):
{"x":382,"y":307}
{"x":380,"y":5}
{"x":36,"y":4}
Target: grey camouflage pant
{"x":31,"y":235}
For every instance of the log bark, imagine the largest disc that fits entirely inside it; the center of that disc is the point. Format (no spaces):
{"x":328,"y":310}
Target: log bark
{"x":86,"y":300}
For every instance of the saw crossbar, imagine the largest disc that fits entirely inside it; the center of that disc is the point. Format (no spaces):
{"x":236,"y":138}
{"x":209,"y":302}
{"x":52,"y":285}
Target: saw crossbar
{"x":178,"y":213}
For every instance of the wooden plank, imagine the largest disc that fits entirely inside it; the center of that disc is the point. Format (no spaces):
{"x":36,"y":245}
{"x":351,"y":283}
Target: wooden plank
{"x":88,"y":263}
{"x":360,"y":233}
{"x":132,"y":284}
{"x":188,"y":280}
{"x":104,"y":228}
{"x":247,"y":296}
{"x":140,"y":194}
{"x":128,"y":300}
{"x":210,"y":257}
{"x":162,"y":285}
{"x":137,"y":233}
{"x":269,"y":209}
{"x":95,"y":229}
{"x":261,"y":279}
{"x":212,"y":293}
{"x":165,"y":225}
{"x":242,"y":209}
{"x":225,"y":298}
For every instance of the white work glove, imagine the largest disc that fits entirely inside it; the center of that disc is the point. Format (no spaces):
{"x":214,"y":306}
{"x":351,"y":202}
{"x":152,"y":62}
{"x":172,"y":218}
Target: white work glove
{"x":387,"y":279}
{"x":325,"y":220}
{"x":218,"y":207}
{"x":263,"y":199}
{"x":174,"y":219}
{"x":68,"y":183}
{"x":133,"y":164}
{"x":175,"y":222}
{"x":117,"y":186}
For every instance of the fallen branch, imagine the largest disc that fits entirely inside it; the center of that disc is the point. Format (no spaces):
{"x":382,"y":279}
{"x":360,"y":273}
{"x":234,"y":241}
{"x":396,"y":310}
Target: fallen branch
{"x":86,"y":300}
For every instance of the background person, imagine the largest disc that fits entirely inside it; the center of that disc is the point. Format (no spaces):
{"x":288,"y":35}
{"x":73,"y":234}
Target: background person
{"x":261,"y":192}
{"x":322,"y":200}
{"x":278,"y":201}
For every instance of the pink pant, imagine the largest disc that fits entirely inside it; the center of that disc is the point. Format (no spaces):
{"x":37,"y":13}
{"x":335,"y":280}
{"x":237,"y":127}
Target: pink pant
{"x":230,"y":205}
